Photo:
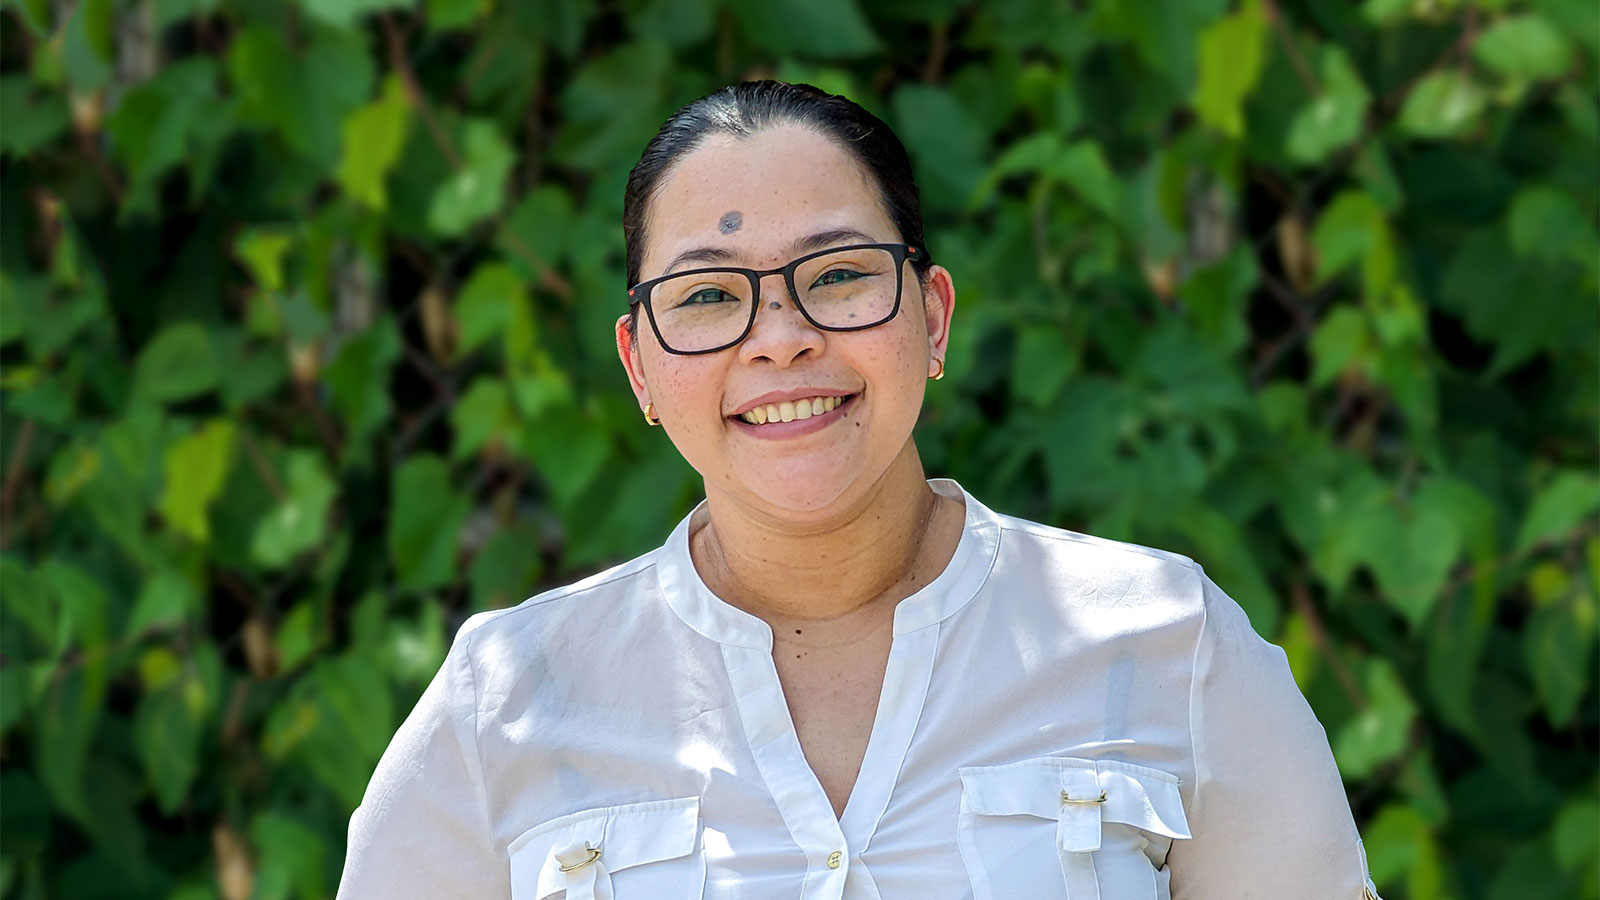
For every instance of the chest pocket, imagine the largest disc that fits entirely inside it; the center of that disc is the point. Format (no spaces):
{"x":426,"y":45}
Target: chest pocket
{"x":1100,"y":829}
{"x":639,"y":851}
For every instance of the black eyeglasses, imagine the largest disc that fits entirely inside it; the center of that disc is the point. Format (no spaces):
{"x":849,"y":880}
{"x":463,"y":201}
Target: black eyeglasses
{"x":839,"y":289}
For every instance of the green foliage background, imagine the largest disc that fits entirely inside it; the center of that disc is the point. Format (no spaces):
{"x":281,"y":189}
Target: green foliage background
{"x":305,"y":311}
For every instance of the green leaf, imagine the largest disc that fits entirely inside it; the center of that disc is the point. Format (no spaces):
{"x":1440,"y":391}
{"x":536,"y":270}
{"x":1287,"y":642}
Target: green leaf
{"x":1566,"y":501}
{"x":1549,"y":225}
{"x":300,"y":520}
{"x":86,"y":50}
{"x":1378,"y":732}
{"x":1400,"y":844}
{"x":1576,"y":833}
{"x":1333,"y":119}
{"x":166,"y":600}
{"x":261,"y":250}
{"x":1033,"y":153}
{"x":297,"y":638}
{"x":425,"y":526}
{"x":1524,"y":47}
{"x":415,"y":649}
{"x":33,"y":119}
{"x":538,"y":232}
{"x":26,"y":600}
{"x":560,"y":24}
{"x":1445,"y":104}
{"x":177,"y":364}
{"x":1082,"y":166}
{"x":170,"y":12}
{"x":345,"y":13}
{"x":196,"y":467}
{"x":489,"y":302}
{"x":444,"y":15}
{"x":1039,"y":368}
{"x":504,"y":571}
{"x":171,"y":118}
{"x":373,"y":137}
{"x":1231,"y":54}
{"x":1353,"y":229}
{"x":947,"y":145}
{"x":68,"y":716}
{"x":678,"y":22}
{"x":1558,"y":645}
{"x":25,"y":824}
{"x":1341,"y":342}
{"x":1218,"y":297}
{"x":478,"y":189}
{"x":305,"y":96}
{"x":1412,"y":568}
{"x":827,"y":29}
{"x":1519,"y":307}
{"x":353,"y":687}
{"x":568,"y":451}
{"x":167,"y":730}
{"x":613,"y":105}
{"x":292,"y":855}
{"x":358,"y":377}
{"x":482,"y":413}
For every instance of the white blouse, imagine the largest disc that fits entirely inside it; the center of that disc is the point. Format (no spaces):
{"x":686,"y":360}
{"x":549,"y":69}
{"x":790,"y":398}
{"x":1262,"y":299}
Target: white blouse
{"x":1062,"y":716}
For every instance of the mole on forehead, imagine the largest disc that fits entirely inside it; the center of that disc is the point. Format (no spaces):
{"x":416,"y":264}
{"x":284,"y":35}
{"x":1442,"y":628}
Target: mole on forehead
{"x":730,"y":222}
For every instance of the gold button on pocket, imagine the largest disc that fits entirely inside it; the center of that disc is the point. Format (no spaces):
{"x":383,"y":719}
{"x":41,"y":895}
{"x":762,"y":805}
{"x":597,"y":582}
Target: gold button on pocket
{"x":593,"y":855}
{"x":650,"y":849}
{"x":834,"y":858}
{"x":1057,"y":827}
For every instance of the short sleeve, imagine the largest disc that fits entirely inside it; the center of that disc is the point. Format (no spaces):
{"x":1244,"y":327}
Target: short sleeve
{"x":422,"y":829}
{"x":1269,"y":815}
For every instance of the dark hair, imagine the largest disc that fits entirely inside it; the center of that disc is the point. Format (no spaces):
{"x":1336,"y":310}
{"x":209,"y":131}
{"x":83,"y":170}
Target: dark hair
{"x":745,"y":109}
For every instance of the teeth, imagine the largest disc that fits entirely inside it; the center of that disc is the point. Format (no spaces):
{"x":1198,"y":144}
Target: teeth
{"x":791,"y":411}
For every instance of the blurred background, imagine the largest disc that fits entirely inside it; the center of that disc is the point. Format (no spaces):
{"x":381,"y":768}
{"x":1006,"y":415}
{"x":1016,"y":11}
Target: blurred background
{"x":306,"y":321}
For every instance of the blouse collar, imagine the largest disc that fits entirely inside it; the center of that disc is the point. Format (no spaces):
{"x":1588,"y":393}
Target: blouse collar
{"x":689,"y":597}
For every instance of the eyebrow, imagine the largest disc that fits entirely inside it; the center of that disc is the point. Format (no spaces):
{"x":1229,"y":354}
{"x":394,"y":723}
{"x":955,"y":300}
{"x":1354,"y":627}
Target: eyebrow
{"x":800,"y":247}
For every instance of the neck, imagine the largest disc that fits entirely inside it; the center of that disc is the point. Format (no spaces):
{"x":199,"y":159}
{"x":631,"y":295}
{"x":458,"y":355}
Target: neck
{"x":877,"y":549}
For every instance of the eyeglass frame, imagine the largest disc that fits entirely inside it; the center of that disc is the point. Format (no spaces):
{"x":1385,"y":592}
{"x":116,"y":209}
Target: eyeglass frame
{"x":640,"y":293}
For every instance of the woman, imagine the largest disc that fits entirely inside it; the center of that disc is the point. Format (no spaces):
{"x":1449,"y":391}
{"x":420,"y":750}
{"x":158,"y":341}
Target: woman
{"x":837,"y":678}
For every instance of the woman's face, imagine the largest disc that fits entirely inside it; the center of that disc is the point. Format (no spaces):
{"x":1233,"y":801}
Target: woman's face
{"x":758,"y":199}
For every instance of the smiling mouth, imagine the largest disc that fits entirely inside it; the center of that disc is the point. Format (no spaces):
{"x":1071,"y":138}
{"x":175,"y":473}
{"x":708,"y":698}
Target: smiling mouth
{"x":792,"y":410}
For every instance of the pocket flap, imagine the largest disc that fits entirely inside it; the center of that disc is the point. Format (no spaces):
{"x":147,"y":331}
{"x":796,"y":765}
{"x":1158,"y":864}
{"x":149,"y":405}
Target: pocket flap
{"x":1134,"y":795}
{"x":629,"y":835}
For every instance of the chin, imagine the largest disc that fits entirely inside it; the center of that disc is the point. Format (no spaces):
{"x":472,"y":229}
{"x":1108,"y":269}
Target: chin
{"x":797,"y":489}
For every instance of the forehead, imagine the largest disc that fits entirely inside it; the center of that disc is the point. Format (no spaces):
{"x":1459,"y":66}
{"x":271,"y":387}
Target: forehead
{"x":785,"y":182}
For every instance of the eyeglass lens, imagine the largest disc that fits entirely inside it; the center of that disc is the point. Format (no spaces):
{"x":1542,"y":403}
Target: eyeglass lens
{"x":845,"y":289}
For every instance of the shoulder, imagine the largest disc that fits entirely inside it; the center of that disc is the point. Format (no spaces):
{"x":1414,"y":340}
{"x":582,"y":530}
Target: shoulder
{"x":546,"y":610}
{"x":1049,"y":538}
{"x":1089,"y":569}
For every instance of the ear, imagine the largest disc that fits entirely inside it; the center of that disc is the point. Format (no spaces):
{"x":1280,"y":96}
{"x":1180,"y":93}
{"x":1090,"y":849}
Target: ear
{"x":632,"y":362}
{"x":938,"y":305}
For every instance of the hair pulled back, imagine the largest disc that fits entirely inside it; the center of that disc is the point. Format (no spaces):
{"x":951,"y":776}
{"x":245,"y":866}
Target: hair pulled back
{"x":742,"y":110}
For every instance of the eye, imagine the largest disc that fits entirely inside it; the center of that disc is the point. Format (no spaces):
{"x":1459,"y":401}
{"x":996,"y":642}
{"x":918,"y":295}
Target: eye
{"x":708,"y":296}
{"x":843,"y":275}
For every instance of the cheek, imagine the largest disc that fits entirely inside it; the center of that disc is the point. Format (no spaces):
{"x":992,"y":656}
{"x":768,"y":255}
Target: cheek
{"x":686,"y":387}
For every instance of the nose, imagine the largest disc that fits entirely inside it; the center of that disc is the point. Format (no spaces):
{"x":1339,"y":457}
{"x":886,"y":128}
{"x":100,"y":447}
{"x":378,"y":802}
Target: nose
{"x":780,"y":334}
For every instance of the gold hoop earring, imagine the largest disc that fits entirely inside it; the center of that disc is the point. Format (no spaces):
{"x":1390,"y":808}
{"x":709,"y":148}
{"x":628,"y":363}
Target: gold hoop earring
{"x":649,"y":414}
{"x":940,"y":373}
